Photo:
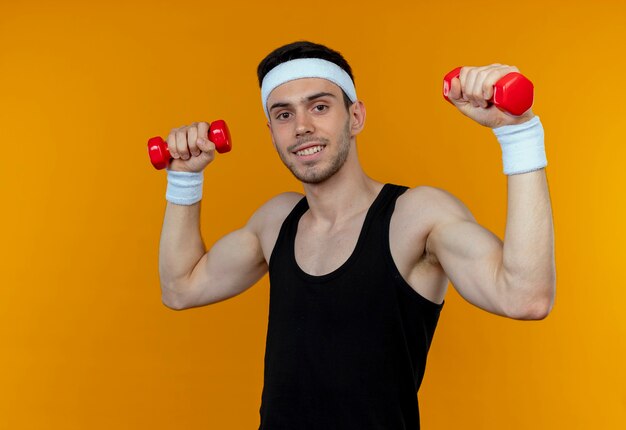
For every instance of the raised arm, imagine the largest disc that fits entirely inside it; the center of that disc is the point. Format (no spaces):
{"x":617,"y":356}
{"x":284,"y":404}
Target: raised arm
{"x":516,"y":278}
{"x":190,"y":276}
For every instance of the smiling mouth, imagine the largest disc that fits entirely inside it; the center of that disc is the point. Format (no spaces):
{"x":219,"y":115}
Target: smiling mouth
{"x":310,"y":150}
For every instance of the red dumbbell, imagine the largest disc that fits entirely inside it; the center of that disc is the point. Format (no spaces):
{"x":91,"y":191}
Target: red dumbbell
{"x":160,"y":154}
{"x":513,"y":93}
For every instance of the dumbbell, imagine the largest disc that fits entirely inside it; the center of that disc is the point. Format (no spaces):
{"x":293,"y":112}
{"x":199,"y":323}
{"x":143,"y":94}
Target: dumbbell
{"x":160,"y":154}
{"x":513,"y":93}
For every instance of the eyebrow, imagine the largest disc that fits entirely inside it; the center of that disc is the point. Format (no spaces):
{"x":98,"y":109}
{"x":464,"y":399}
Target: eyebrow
{"x":309,"y":98}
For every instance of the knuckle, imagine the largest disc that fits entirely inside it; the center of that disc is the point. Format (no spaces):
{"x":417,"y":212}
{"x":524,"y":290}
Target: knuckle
{"x":463,"y":73}
{"x":171,"y":143}
{"x":203,"y":130}
{"x":203,"y":127}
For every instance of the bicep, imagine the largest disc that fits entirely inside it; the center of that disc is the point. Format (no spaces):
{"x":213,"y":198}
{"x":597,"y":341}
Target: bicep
{"x":237,"y":261}
{"x":232,"y":265}
{"x":470,"y":255}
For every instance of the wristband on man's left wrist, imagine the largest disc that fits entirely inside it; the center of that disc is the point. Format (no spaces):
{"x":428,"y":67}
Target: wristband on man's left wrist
{"x":522,"y":146}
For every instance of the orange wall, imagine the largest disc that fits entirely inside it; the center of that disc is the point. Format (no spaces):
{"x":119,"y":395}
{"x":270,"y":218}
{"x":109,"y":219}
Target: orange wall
{"x":85,"y":340}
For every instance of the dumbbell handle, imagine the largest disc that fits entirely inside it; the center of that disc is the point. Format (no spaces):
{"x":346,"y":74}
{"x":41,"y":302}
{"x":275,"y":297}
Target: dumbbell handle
{"x":160,"y":154}
{"x":513,"y":93}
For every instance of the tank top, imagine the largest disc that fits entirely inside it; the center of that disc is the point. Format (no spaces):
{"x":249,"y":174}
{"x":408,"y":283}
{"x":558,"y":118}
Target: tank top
{"x":345,"y":350}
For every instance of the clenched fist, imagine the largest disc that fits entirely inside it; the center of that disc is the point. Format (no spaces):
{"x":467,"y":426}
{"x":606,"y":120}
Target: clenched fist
{"x":190,"y":148}
{"x":474,"y":87}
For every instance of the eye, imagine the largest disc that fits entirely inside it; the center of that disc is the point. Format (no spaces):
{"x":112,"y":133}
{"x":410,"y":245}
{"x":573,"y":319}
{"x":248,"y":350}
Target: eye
{"x":283,"y":115}
{"x":323,"y":108}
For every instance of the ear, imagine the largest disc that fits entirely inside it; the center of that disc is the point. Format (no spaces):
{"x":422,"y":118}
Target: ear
{"x":357,"y":117}
{"x":269,"y":126}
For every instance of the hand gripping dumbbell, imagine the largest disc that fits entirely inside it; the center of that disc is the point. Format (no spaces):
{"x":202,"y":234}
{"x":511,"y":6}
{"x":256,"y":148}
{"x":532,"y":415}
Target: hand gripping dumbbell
{"x":513,"y":93}
{"x":160,"y":153}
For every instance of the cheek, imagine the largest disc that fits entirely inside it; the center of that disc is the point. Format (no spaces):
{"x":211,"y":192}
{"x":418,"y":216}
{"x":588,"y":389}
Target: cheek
{"x":283,"y":134}
{"x":279,"y":140}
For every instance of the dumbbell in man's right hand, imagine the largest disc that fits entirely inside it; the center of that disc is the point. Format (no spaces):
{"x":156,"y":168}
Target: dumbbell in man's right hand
{"x":188,"y":149}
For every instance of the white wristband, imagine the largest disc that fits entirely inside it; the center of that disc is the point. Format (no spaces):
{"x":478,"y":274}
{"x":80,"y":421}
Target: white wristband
{"x":522,"y":146}
{"x":184,"y":188}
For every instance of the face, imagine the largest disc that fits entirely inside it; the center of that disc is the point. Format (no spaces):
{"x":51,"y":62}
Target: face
{"x":310,"y":127}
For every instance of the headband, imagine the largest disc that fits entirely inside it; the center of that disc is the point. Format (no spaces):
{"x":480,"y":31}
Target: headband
{"x":306,"y":68}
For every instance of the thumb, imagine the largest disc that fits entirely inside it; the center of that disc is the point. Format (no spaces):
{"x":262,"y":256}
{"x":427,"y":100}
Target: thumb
{"x":455,"y":91}
{"x":456,"y":97}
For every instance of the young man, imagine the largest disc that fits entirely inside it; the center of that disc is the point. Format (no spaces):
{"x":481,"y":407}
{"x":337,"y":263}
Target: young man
{"x":358,"y":269}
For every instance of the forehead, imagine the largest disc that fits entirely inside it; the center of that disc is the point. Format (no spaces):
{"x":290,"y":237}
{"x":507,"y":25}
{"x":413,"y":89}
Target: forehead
{"x":298,"y":89}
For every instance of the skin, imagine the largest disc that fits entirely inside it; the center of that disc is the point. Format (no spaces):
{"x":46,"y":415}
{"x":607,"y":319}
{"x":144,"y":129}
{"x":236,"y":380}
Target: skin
{"x":433,"y":236}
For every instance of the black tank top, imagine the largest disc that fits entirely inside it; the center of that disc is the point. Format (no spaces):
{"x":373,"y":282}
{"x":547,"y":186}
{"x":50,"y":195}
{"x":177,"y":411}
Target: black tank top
{"x":345,"y":350}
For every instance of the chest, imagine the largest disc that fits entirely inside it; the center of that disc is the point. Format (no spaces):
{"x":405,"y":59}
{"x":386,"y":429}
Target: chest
{"x":320,"y":250}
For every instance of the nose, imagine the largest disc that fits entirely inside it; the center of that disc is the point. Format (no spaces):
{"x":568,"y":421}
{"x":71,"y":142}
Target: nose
{"x":304,"y":124}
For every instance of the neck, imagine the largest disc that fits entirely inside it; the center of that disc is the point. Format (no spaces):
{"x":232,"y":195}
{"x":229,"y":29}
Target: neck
{"x":347,"y":192}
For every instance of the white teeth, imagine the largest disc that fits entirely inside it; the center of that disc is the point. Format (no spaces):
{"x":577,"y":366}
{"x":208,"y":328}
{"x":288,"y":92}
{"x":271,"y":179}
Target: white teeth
{"x":310,"y":151}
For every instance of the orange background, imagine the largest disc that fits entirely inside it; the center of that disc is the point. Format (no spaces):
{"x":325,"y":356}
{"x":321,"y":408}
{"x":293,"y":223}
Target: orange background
{"x":85,"y":340}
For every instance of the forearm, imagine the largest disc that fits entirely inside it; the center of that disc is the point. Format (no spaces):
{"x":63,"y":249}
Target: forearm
{"x":181,"y":245}
{"x":528,"y":253}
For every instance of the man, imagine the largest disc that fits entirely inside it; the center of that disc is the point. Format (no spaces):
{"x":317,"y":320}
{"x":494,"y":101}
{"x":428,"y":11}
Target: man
{"x":358,"y":269}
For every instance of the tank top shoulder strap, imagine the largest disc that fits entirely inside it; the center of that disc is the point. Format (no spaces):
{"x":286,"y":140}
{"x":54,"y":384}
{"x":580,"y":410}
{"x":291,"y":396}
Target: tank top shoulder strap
{"x":289,"y":227}
{"x":387,"y":201}
{"x":386,"y":212}
{"x":375,"y":227}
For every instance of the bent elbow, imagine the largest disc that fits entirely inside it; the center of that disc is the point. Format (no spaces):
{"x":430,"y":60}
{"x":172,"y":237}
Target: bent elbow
{"x":172,"y":305}
{"x":536,"y":310}
{"x":537,"y":313}
{"x":171,"y":299}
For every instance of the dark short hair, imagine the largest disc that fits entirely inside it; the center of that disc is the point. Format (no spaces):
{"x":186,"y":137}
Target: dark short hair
{"x":304,"y":49}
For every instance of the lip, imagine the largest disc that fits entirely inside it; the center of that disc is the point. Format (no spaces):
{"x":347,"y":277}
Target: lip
{"x":306,"y":146}
{"x":310,"y":158}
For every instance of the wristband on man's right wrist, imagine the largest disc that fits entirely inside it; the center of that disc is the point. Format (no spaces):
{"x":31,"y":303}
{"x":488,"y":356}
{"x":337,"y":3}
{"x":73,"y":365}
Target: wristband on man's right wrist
{"x":184,"y":188}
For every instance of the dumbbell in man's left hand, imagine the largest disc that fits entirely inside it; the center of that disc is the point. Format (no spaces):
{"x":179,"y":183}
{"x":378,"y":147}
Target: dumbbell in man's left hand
{"x":473,"y":88}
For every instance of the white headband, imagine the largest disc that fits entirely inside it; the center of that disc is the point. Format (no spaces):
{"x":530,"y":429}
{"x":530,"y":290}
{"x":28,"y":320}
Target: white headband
{"x":306,"y":68}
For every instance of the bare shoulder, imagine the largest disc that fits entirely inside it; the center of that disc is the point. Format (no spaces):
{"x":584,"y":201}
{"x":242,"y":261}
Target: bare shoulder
{"x":268,"y":218}
{"x":418,"y":212}
{"x":437,"y":204}
{"x":278,"y":206}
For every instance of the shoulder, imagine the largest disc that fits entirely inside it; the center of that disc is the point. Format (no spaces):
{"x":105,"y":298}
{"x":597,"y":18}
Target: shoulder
{"x":268,"y":219}
{"x":275,"y":210}
{"x":422,"y":210}
{"x":436,"y":204}
{"x":281,"y":203}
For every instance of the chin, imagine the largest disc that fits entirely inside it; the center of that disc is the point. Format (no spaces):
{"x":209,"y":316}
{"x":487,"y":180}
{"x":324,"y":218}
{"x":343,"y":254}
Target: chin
{"x":315,"y":176}
{"x":311,"y":178}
